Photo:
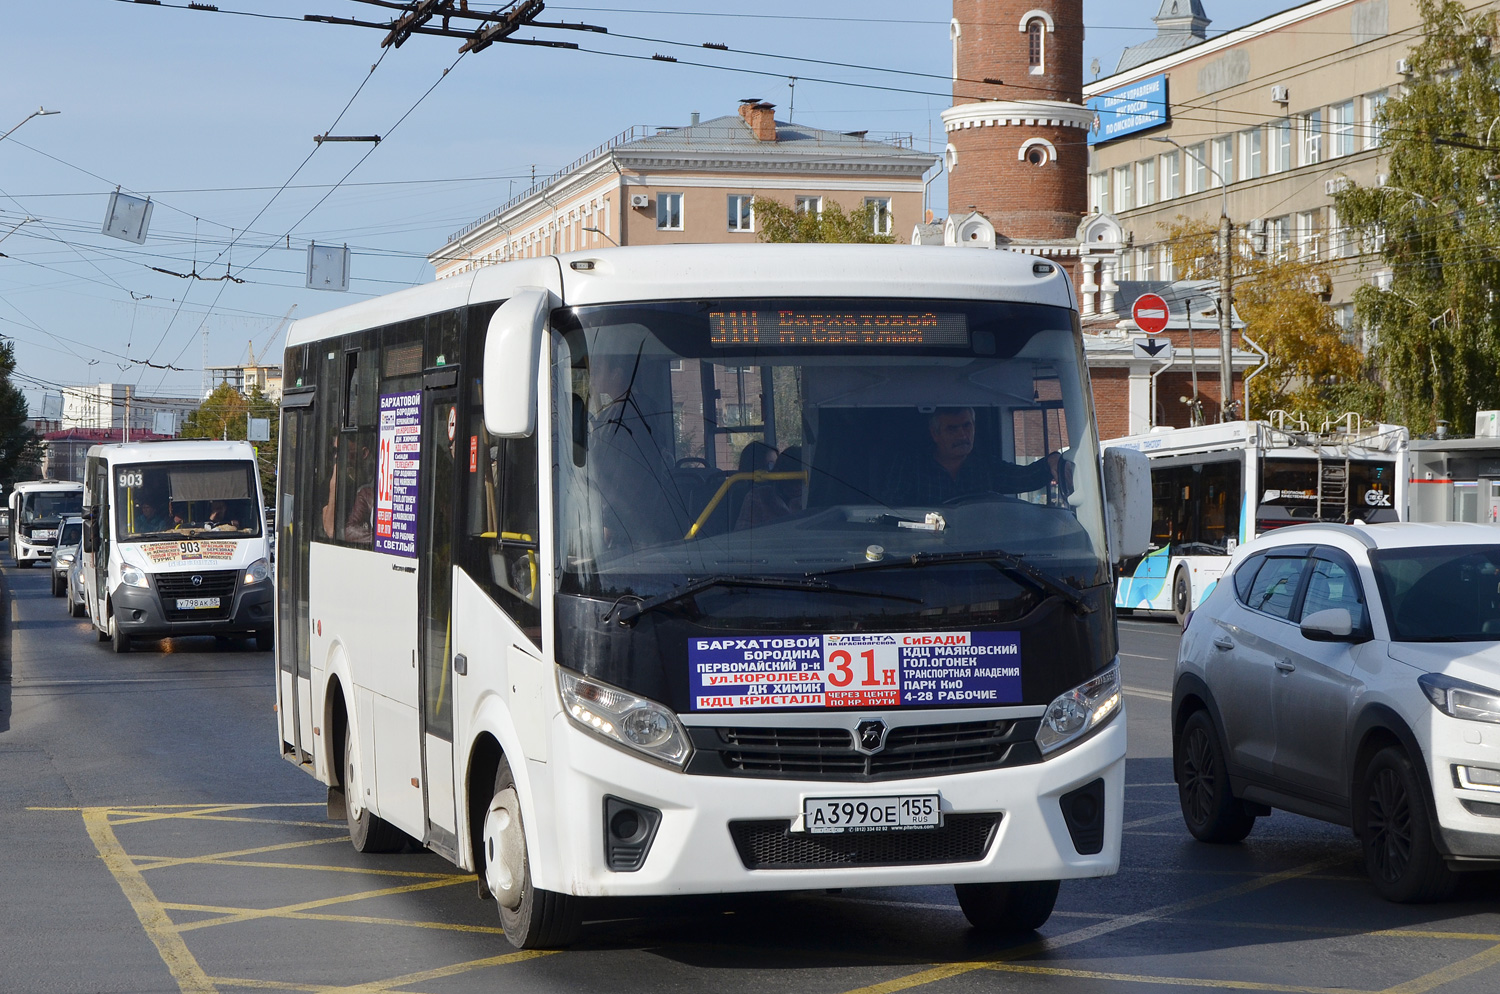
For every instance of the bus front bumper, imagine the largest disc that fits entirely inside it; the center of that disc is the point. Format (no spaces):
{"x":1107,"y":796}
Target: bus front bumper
{"x":139,"y":611}
{"x":695,"y":849}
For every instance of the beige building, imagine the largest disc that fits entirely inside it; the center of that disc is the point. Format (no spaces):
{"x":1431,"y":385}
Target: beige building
{"x":1271,"y":120}
{"x":696,"y":184}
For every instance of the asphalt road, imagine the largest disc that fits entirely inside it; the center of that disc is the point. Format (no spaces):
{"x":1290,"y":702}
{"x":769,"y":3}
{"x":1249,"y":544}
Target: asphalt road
{"x":154,"y":841}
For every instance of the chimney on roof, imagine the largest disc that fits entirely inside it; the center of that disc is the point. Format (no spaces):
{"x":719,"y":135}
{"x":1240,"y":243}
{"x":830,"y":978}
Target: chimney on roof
{"x":696,"y":117}
{"x":761,"y":117}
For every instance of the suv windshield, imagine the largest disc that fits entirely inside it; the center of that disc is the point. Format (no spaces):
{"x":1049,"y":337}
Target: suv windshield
{"x":757,"y":438}
{"x":48,"y":508}
{"x":170,"y":500}
{"x":1292,"y":493}
{"x":1441,"y":593}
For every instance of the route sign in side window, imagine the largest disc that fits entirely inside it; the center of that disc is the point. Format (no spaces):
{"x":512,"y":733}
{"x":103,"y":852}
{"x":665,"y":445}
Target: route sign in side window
{"x":1332,"y":584}
{"x":1274,"y":590}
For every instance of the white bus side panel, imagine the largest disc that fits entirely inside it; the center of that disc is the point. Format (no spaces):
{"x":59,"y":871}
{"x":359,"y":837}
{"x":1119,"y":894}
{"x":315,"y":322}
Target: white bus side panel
{"x":366,"y":610}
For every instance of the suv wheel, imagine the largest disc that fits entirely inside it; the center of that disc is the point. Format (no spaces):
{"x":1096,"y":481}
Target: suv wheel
{"x":1210,"y":810}
{"x":1400,"y":856}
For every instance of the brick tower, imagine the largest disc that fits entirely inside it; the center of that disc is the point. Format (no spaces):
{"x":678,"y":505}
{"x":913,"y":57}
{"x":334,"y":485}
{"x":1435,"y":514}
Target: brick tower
{"x":1018,"y":144}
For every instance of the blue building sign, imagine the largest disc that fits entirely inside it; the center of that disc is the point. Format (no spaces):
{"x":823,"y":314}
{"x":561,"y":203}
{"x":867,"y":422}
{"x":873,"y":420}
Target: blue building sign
{"x":1137,"y":107}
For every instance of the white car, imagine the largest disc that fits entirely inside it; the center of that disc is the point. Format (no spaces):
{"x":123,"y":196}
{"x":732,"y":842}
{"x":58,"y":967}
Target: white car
{"x":1351,"y":673}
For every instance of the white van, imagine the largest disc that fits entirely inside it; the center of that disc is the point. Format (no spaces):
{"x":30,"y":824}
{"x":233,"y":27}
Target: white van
{"x":175,"y":542}
{"x":37,"y":508}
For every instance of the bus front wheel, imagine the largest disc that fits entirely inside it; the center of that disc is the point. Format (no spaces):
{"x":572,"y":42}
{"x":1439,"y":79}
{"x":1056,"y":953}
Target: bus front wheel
{"x":1005,"y":909}
{"x":532,"y":918}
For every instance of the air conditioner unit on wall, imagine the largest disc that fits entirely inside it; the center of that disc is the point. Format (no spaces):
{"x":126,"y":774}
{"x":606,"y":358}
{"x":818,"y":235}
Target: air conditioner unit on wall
{"x":1403,"y":67}
{"x":1280,"y":95}
{"x":639,"y":200}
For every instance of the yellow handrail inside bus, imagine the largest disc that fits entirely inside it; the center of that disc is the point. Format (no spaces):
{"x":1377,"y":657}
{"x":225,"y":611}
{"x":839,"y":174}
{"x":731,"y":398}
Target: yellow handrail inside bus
{"x":758,"y":476}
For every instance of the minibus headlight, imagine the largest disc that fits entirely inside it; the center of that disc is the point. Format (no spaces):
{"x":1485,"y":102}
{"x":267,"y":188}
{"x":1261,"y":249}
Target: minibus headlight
{"x":133,"y":577}
{"x":257,"y":572}
{"x":623,"y":719}
{"x":1081,"y":711}
{"x":1461,"y":699}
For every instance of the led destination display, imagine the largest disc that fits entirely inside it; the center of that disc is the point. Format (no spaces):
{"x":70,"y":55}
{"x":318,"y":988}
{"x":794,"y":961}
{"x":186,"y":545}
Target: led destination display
{"x":795,"y":327}
{"x":868,"y":669}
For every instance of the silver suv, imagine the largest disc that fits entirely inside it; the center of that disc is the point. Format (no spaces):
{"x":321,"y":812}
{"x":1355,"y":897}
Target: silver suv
{"x":1351,"y":674}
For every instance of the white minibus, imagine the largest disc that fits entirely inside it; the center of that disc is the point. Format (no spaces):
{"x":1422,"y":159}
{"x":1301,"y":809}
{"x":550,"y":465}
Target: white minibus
{"x":692,"y":570}
{"x":37,"y":508}
{"x":174,"y":542}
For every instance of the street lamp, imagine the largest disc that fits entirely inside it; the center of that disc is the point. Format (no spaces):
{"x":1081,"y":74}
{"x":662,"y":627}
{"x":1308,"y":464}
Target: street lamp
{"x":1226,"y":283}
{"x":603,"y":235}
{"x":39,"y":112}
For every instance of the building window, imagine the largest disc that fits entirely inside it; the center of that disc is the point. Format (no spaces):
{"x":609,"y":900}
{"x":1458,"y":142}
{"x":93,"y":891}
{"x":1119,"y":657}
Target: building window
{"x":1036,"y":43}
{"x":1341,"y":129}
{"x":669,"y":212}
{"x":1148,"y":263}
{"x":1281,"y":145}
{"x":1168,"y":264}
{"x":1311,"y":126}
{"x":1374,"y":126}
{"x":1099,"y":193}
{"x":1278,"y":237}
{"x":809,"y":205}
{"x":1251,"y":164}
{"x":1307,"y":235}
{"x":880,"y":215}
{"x":1223,"y":151}
{"x":1197,"y":168}
{"x":741,"y":212}
{"x":1145,"y":182}
{"x":1171,"y":176}
{"x":950,"y":158}
{"x":1124,"y":187}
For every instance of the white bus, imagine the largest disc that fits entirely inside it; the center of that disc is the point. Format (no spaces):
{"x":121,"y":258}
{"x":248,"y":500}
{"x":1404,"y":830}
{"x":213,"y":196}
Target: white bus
{"x":174,"y":542}
{"x":37,"y":508}
{"x":1215,"y":487}
{"x":635,"y":572}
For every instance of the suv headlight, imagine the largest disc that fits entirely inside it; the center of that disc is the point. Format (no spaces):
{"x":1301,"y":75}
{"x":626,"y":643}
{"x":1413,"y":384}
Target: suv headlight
{"x":1081,"y":711}
{"x":131,"y":576}
{"x":623,"y":719}
{"x":257,"y":572}
{"x":1461,"y":699}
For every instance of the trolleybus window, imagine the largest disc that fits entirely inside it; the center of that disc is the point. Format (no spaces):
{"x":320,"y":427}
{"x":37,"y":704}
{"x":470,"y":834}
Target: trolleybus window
{"x":1299,"y":490}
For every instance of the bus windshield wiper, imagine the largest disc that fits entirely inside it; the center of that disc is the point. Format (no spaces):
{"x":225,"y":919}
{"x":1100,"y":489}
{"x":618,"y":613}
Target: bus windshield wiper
{"x":627,"y":613}
{"x":1007,"y":562}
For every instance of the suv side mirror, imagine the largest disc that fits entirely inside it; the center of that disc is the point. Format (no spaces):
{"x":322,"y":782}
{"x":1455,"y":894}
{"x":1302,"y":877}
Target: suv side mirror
{"x":1334,"y":624}
{"x":512,"y":349}
{"x":1127,"y":495}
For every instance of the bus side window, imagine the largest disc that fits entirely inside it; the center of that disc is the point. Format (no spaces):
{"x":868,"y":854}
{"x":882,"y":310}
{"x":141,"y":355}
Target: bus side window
{"x":502,"y":521}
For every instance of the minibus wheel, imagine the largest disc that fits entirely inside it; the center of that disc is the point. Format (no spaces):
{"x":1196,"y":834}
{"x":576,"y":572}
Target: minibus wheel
{"x":1004,"y":909}
{"x":368,"y":832}
{"x":532,"y":918}
{"x":117,"y":636}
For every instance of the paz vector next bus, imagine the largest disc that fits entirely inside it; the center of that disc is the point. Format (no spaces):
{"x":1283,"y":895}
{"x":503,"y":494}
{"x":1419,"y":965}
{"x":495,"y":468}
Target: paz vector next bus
{"x":709,"y":569}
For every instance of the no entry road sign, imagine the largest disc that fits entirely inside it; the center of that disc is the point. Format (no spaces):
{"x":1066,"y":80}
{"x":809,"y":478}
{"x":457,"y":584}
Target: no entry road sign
{"x":1149,"y":313}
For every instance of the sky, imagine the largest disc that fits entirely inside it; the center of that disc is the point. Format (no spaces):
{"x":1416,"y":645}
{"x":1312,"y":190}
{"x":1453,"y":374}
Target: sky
{"x":212,"y":115}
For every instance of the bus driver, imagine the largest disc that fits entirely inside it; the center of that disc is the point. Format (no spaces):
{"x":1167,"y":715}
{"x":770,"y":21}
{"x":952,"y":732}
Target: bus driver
{"x":952,"y":470}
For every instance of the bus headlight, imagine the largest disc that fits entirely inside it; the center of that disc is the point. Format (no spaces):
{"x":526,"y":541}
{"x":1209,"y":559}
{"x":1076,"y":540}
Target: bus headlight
{"x":133,"y":577}
{"x":1081,"y":711}
{"x":257,"y":572}
{"x":621,"y":718}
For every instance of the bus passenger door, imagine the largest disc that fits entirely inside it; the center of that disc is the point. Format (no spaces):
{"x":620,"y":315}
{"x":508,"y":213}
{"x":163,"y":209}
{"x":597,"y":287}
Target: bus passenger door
{"x":294,"y":658}
{"x":435,"y":560}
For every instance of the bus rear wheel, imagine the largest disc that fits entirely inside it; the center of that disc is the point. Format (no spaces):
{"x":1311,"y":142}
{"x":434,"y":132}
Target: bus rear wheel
{"x":1005,"y":909}
{"x":368,"y":832}
{"x":532,"y":918}
{"x":1182,"y":597}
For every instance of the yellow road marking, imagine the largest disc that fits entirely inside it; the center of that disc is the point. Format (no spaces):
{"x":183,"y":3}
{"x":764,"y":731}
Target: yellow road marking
{"x":154,"y":918}
{"x":272,"y":985}
{"x":135,"y":818}
{"x":160,"y":862}
{"x":382,"y":986}
{"x":351,"y":919}
{"x":188,"y":816}
{"x":258,"y":913}
{"x":131,"y":808}
{"x":1154,"y":819}
{"x":1236,"y":985}
{"x":364,"y":871}
{"x":1103,"y":928}
{"x":1453,"y":971}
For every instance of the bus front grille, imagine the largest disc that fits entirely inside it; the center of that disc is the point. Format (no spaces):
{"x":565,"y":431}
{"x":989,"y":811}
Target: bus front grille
{"x":211,"y":583}
{"x":829,"y":753}
{"x":771,"y":845}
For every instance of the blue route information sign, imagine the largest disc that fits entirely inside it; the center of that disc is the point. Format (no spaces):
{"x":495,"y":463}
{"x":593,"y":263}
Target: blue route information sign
{"x":867,"y":669}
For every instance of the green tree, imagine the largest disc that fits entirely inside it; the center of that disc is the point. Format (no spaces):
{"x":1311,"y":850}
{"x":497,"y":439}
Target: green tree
{"x":20,"y":449}
{"x":224,"y":413}
{"x":1436,"y":224}
{"x":1312,"y":371}
{"x":781,"y":222}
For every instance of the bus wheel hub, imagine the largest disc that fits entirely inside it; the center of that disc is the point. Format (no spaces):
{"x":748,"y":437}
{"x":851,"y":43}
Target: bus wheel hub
{"x":505,"y":849}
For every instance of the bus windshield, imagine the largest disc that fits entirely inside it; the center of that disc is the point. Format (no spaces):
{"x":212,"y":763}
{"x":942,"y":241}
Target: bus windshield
{"x":1292,"y":492}
{"x":170,"y":500}
{"x":808,"y":439}
{"x":48,"y":507}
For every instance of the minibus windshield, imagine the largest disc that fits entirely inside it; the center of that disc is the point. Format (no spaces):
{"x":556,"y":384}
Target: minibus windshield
{"x":176,"y":499}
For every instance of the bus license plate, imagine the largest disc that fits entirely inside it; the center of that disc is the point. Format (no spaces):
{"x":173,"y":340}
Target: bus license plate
{"x":827,"y":815}
{"x":196,"y":603}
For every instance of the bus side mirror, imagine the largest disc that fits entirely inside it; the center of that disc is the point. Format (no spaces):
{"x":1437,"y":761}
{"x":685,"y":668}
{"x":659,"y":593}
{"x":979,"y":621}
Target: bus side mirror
{"x":1127,"y":495}
{"x":90,"y":536}
{"x":512,"y":349}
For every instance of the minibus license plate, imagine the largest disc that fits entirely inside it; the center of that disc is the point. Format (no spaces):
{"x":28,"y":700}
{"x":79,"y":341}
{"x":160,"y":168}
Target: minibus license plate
{"x":826,"y":815}
{"x":196,"y":603}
